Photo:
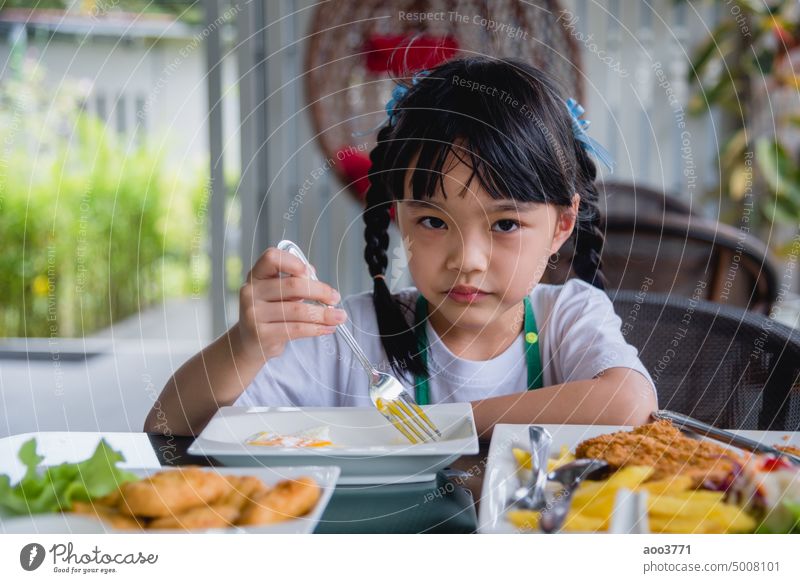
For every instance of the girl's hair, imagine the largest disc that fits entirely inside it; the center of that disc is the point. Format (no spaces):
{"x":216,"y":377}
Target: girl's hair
{"x":508,"y":121}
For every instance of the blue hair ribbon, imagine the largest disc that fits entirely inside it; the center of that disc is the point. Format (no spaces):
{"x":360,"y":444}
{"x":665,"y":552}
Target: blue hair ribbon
{"x":588,"y":143}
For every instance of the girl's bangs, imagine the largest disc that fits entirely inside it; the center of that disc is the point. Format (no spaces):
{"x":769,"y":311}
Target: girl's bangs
{"x":500,"y":175}
{"x":511,"y":159}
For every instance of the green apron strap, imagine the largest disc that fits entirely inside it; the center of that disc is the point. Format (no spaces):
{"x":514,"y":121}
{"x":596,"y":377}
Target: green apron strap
{"x":532,"y":353}
{"x":533,"y":356}
{"x":422,"y":391}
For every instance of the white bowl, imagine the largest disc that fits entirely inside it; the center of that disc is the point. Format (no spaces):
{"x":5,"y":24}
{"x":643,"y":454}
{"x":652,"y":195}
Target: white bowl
{"x":367,"y":448}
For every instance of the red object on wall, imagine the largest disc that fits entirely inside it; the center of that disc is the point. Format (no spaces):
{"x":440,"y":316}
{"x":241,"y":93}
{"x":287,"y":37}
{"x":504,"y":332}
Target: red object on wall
{"x":402,"y":54}
{"x":355,"y":165}
{"x":396,"y":55}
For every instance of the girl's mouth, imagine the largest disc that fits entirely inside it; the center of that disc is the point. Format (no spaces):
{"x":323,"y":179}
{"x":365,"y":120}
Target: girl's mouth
{"x":466,"y":296}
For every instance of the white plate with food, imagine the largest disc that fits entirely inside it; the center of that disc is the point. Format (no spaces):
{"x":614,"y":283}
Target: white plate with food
{"x":367,"y":448}
{"x":99,"y":495}
{"x":302,"y":493}
{"x":680,"y":483}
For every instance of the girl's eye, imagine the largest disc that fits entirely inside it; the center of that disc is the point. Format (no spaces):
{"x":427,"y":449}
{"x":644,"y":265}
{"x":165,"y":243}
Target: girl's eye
{"x":434,"y":222}
{"x":505,"y":226}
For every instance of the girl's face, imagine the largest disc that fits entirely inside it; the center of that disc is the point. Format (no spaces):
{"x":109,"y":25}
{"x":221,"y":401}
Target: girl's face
{"x":497,"y":248}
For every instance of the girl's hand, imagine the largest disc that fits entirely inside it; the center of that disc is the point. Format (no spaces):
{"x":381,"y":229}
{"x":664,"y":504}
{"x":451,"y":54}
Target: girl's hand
{"x":271,"y":308}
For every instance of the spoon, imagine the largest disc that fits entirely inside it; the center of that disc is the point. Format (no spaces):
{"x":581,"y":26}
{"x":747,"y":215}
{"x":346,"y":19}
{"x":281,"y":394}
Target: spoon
{"x":531,"y":497}
{"x":576,"y":471}
{"x":570,"y":475}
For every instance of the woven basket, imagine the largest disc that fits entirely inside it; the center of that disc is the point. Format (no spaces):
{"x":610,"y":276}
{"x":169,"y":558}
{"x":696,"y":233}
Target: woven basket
{"x":352,"y":58}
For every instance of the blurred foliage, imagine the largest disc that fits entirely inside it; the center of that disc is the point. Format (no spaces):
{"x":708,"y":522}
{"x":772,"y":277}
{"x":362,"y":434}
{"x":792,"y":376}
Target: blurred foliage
{"x":32,"y":4}
{"x":749,"y":55}
{"x":190,"y":11}
{"x":93,"y":227}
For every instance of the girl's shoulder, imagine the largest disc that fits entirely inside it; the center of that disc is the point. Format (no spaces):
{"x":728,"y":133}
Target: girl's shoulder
{"x":574,"y":299}
{"x":571,"y":289}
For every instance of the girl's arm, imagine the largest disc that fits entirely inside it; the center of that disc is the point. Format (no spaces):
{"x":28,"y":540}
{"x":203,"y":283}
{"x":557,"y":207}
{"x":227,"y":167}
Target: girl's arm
{"x":618,"y":396}
{"x":271,"y":314}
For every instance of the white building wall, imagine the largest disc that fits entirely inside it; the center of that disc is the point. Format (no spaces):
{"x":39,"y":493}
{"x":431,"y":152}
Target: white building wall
{"x":143,"y":81}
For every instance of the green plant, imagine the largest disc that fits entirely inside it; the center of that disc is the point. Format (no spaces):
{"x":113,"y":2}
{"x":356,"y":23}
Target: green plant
{"x":93,"y":227}
{"x":189,"y":11}
{"x":742,"y":69}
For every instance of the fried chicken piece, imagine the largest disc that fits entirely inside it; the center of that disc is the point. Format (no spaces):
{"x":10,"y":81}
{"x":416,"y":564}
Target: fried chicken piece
{"x":288,"y":499}
{"x":110,"y":500}
{"x":214,"y":516}
{"x":107,"y":514}
{"x":172,"y":493}
{"x":222,"y":514}
{"x":244,"y":489}
{"x":662,"y":446}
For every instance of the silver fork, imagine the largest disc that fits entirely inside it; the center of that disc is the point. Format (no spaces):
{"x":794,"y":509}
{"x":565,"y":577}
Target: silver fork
{"x":385,"y":391}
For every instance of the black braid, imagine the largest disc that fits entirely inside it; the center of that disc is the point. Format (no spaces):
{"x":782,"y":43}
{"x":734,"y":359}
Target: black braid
{"x":397,"y":336}
{"x":589,"y":239}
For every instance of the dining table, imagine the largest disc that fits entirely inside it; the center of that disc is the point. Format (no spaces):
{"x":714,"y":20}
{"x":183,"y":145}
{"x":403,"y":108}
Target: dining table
{"x":447,"y":504}
{"x":452,"y":501}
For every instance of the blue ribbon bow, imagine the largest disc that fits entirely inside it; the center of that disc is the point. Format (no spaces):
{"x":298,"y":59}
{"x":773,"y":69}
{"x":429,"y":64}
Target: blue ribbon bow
{"x":398,"y":93}
{"x":589,"y":144}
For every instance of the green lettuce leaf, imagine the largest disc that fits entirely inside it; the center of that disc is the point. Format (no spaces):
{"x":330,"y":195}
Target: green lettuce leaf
{"x":58,"y":487}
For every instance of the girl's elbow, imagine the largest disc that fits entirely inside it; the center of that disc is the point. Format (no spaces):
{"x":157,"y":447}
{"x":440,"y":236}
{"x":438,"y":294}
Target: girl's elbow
{"x":634,"y":403}
{"x":642,"y":402}
{"x":152,"y":423}
{"x":148,"y":423}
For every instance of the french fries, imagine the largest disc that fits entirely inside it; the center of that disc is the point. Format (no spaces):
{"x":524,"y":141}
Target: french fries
{"x":673,"y":506}
{"x":523,"y":458}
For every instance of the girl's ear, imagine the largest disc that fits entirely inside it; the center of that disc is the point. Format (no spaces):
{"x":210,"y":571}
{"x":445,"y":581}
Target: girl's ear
{"x":567,"y":218}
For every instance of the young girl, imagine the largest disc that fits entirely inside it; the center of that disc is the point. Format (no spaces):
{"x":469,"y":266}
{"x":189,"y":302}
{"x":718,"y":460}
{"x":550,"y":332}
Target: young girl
{"x":488,"y":171}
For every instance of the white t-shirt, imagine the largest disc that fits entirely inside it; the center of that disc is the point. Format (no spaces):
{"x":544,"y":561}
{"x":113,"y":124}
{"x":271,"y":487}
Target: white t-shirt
{"x":579,"y":337}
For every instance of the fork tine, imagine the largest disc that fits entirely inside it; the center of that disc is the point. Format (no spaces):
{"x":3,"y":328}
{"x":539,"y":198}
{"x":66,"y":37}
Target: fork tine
{"x":420,"y":413}
{"x":390,"y":413}
{"x":403,"y":404}
{"x":401,"y":428}
{"x":395,"y":408}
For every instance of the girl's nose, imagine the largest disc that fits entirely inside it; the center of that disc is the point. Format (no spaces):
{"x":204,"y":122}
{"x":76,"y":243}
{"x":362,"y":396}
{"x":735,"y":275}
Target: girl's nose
{"x":468,"y":253}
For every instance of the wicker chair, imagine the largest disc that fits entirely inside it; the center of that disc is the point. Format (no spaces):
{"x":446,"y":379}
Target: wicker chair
{"x":682,"y":255}
{"x":725,"y":366}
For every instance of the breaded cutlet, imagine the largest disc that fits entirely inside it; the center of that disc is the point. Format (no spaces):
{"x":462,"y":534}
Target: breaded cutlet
{"x":662,"y":446}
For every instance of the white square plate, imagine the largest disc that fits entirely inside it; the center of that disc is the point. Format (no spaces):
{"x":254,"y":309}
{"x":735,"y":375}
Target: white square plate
{"x":76,"y":524}
{"x":503,"y":475}
{"x":367,"y":448}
